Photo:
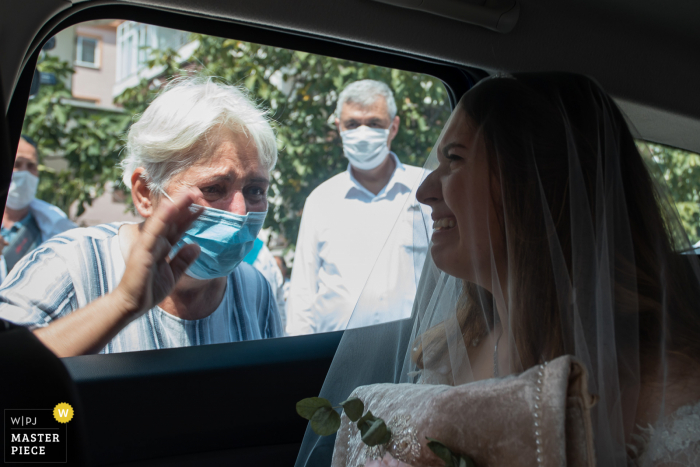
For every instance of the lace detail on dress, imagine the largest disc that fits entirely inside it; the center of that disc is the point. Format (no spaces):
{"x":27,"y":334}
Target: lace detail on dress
{"x":403,"y":445}
{"x":676,"y":442}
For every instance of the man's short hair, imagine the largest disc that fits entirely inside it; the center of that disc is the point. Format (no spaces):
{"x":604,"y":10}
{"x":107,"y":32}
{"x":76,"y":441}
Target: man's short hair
{"x":32,"y":143}
{"x":364,"y":93}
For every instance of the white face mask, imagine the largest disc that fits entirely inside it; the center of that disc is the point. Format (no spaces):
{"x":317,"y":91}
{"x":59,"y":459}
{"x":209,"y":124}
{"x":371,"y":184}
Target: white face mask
{"x":365,"y":147}
{"x":22,"y":189}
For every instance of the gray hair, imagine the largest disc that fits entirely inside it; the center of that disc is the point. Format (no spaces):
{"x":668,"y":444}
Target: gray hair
{"x":165,"y":138}
{"x":365,"y":93}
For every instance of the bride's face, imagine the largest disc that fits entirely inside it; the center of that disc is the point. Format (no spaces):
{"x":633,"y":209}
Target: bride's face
{"x":462,"y":192}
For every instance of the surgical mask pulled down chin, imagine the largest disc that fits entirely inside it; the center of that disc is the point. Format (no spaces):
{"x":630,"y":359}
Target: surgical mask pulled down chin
{"x":365,"y":147}
{"x":224,"y":239}
{"x":22,"y":189}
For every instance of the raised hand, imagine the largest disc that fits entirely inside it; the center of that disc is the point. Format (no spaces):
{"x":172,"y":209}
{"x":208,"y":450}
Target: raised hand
{"x":150,"y":275}
{"x":148,"y":278}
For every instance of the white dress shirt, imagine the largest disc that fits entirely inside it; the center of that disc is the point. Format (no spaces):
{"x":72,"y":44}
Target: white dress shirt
{"x":355,"y":244}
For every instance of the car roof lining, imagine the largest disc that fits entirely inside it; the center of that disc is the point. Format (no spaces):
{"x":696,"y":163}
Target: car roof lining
{"x":645,"y":57}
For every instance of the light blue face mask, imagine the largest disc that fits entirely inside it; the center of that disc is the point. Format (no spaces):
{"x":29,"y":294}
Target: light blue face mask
{"x":224,"y":239}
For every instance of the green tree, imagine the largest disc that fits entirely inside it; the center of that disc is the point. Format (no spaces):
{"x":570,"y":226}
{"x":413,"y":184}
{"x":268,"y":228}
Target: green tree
{"x":679,"y":170}
{"x":89,"y":140}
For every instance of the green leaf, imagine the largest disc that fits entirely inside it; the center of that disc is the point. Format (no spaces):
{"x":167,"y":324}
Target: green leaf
{"x":353,"y":408}
{"x":442,"y":451}
{"x":325,"y":421}
{"x":364,"y":423}
{"x":377,"y":433}
{"x":306,"y":408}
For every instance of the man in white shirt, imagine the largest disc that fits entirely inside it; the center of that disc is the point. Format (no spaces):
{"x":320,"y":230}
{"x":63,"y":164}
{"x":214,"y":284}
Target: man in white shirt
{"x":346,"y":239}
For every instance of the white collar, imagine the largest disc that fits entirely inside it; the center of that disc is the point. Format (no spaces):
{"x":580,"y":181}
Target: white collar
{"x":399,"y":176}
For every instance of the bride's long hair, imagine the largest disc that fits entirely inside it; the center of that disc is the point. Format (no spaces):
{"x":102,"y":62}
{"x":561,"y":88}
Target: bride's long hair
{"x":529,"y":126}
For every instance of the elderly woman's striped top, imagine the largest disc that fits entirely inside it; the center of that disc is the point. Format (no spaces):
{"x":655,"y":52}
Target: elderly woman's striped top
{"x":75,"y":268}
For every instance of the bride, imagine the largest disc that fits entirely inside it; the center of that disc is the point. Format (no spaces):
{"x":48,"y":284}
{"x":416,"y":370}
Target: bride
{"x":550,"y":237}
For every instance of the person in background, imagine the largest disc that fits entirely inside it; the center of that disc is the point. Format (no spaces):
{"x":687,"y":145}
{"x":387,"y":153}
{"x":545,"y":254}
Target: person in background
{"x":261,"y":259}
{"x":27,"y":222}
{"x":282,"y":265}
{"x":347,"y":219}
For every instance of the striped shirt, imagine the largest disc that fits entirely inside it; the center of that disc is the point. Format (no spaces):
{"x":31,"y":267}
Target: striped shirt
{"x":74,"y":268}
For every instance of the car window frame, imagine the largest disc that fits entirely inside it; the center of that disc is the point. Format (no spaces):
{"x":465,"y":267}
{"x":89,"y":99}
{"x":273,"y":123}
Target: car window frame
{"x":456,"y":79}
{"x":126,"y":374}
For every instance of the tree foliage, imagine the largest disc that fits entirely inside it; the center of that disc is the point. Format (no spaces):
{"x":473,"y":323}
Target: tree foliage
{"x":679,"y":170}
{"x":90,"y":141}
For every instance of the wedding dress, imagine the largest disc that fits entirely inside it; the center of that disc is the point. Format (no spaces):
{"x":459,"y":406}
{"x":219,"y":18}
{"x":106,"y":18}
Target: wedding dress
{"x":676,"y":441}
{"x":552,"y":237}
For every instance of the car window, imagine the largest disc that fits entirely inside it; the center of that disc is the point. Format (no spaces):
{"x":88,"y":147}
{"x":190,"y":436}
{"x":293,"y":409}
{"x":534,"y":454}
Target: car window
{"x":100,"y":76}
{"x":680,"y":172}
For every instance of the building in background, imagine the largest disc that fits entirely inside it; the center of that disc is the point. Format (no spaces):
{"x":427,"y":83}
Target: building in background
{"x":91,"y":48}
{"x":134,"y":43}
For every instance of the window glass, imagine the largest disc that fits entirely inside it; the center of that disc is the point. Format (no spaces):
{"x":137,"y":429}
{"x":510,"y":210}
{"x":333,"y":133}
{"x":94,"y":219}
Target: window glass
{"x":79,"y":127}
{"x":680,"y":172}
{"x":87,"y":51}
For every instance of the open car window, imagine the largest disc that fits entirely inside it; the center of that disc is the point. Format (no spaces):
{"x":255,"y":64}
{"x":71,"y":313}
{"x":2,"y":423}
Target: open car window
{"x":680,"y":171}
{"x":100,"y":76}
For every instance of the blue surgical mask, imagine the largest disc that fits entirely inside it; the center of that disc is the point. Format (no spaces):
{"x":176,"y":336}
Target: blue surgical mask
{"x":224,"y":239}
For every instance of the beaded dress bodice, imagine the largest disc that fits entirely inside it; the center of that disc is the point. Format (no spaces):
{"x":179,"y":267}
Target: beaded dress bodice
{"x":675,"y":442}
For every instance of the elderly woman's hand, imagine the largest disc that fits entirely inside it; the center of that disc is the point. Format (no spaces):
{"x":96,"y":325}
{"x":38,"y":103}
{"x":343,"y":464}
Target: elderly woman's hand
{"x":150,"y":276}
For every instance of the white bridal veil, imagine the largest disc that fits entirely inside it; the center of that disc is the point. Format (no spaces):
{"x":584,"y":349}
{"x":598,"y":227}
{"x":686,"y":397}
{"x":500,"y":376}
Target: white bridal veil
{"x":562,"y":242}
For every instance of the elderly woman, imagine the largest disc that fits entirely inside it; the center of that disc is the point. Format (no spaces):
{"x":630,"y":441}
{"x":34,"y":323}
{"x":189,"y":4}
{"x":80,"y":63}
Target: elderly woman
{"x":198,"y":164}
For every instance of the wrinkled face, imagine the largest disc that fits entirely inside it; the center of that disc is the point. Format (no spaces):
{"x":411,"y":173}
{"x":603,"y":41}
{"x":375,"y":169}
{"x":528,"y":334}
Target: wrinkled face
{"x":26,"y":158}
{"x":229,"y":175}
{"x":461,"y":192}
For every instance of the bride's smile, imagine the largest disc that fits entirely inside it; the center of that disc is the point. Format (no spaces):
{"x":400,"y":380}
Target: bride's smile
{"x":462,"y":194}
{"x":444,"y":224}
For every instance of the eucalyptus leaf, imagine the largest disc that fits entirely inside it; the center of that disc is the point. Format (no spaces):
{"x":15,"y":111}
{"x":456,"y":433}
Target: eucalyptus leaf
{"x":353,"y":408}
{"x":378,"y":433}
{"x":365,"y":423}
{"x":306,"y":408}
{"x":442,"y":451}
{"x":325,"y":421}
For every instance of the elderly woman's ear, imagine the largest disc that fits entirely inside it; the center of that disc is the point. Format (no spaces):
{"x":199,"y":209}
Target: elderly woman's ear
{"x":141,"y":194}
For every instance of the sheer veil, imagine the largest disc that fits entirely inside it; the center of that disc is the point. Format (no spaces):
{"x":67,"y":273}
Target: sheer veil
{"x":564,"y":241}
